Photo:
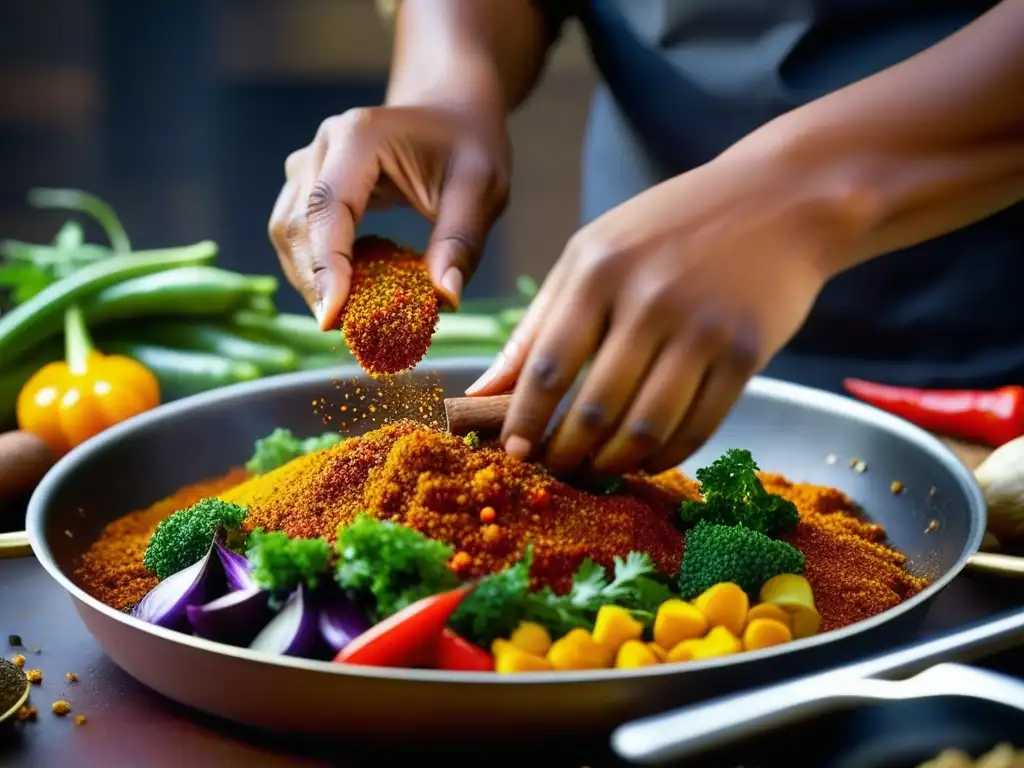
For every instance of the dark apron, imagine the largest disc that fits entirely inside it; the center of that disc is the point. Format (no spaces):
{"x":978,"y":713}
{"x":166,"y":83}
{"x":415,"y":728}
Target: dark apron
{"x":684,"y":79}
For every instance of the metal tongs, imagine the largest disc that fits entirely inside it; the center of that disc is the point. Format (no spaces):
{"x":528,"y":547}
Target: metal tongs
{"x":917,"y":671}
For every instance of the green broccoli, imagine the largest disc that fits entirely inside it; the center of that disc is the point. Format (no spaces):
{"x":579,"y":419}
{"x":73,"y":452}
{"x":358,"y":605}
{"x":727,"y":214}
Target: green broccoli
{"x":280,"y":563}
{"x":718,"y":553}
{"x":396,"y":565}
{"x":183,"y":538}
{"x":282,"y":446}
{"x":733,"y":495}
{"x":472,"y":439}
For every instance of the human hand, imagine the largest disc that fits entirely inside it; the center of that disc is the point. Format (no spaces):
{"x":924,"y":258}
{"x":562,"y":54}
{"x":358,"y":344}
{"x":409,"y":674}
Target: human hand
{"x":679,"y":296}
{"x":449,"y":165}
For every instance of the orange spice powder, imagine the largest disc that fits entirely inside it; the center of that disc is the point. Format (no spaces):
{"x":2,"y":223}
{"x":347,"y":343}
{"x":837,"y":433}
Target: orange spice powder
{"x":392,"y":308}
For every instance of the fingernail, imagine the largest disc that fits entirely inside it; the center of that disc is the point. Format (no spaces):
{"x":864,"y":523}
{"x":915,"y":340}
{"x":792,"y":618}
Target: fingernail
{"x":518,"y":447}
{"x":487,"y":377}
{"x":452,"y":283}
{"x":319,"y":312}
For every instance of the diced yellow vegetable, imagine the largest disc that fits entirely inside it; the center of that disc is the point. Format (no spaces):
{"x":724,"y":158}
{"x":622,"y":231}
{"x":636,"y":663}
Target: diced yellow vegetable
{"x":577,"y":650}
{"x":509,"y":659}
{"x":633,"y":654}
{"x":764,"y":633}
{"x":794,"y":595}
{"x":615,"y":625}
{"x":767,"y":611}
{"x":724,"y":605}
{"x":658,"y":651}
{"x":531,"y":637}
{"x":718,"y":642}
{"x":678,"y":620}
{"x":684,"y":651}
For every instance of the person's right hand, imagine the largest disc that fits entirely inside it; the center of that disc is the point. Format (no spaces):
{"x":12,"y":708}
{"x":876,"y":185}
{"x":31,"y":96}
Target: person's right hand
{"x":450,"y":166}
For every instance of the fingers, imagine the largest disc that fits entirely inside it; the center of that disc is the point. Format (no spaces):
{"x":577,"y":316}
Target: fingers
{"x":335,"y":203}
{"x":278,"y":231}
{"x":722,"y":387}
{"x":611,"y":383}
{"x":505,"y":370}
{"x":562,"y":346}
{"x":471,"y":199}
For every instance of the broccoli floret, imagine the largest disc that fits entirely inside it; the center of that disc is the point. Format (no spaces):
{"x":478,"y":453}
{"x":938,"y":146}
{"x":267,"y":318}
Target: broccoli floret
{"x":748,"y":558}
{"x":472,"y":439}
{"x":733,"y":495}
{"x":280,"y":563}
{"x":282,"y":446}
{"x":183,"y":538}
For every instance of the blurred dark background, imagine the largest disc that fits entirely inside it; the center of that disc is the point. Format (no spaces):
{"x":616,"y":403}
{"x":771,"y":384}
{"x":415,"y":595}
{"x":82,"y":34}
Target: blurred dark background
{"x":180,"y":114}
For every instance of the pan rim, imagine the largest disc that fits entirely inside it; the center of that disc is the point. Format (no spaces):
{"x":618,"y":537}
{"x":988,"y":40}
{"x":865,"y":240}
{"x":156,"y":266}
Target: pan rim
{"x":765,"y":387}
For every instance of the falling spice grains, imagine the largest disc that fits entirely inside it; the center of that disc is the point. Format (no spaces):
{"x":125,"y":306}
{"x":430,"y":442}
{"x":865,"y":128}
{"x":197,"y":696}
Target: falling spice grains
{"x":392,"y":308}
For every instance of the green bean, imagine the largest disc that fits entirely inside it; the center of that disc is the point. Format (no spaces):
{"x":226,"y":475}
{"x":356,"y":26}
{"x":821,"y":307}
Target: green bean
{"x":183,"y":372}
{"x":26,"y":325}
{"x":300,"y":332}
{"x":207,"y":337}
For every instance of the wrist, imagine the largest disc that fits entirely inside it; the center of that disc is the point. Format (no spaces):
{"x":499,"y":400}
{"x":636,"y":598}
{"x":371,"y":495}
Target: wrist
{"x":831,"y":189}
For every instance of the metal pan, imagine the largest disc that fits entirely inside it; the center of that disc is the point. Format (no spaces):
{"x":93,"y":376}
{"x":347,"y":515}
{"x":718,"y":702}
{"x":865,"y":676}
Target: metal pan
{"x":903,"y":675}
{"x":790,"y":429}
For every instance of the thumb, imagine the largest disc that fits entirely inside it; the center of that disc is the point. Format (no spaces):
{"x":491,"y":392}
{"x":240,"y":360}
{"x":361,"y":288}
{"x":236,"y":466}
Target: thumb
{"x":471,"y":200}
{"x":336,"y":203}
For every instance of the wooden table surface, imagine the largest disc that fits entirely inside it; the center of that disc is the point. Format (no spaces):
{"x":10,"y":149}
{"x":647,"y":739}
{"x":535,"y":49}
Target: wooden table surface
{"x":129,"y":725}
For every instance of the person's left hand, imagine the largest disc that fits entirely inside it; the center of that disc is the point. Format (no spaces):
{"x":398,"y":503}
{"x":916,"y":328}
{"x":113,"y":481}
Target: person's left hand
{"x":679,"y":295}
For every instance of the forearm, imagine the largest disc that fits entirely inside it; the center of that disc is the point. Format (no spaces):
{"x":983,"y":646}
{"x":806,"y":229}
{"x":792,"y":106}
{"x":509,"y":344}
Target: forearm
{"x":918,"y":150}
{"x":468,"y":53}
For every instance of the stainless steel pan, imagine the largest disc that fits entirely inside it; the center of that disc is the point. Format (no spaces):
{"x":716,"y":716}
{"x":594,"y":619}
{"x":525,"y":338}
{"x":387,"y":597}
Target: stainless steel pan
{"x":788,"y":428}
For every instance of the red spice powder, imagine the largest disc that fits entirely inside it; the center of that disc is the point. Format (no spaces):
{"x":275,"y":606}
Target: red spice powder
{"x":392,"y":308}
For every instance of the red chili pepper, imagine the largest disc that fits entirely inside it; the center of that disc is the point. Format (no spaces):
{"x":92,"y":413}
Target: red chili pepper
{"x":456,"y":654}
{"x":400,"y":640}
{"x":991,"y":417}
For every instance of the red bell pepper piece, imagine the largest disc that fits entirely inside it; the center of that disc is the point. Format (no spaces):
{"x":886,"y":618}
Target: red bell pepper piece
{"x":456,"y":654}
{"x":402,"y":639}
{"x":991,"y":417}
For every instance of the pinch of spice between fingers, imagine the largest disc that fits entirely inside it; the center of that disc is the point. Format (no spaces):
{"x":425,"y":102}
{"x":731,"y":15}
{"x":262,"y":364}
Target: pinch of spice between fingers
{"x":483,"y":415}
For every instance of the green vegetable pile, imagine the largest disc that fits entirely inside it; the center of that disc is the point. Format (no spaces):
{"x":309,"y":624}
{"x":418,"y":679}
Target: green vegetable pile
{"x":281,"y":563}
{"x":196,"y":326}
{"x":183,"y":538}
{"x":281,"y":446}
{"x":729,"y":530}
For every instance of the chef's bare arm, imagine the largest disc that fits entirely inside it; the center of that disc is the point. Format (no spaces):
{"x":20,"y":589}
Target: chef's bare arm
{"x":469,"y":52}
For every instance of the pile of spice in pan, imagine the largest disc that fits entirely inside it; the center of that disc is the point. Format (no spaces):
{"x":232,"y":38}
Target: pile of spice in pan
{"x":392,"y":308}
{"x":408,"y":546}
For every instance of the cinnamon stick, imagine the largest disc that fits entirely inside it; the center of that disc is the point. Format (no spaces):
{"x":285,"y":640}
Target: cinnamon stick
{"x":483,"y":415}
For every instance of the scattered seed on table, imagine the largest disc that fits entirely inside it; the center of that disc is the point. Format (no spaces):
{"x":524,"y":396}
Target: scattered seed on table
{"x":932,"y":526}
{"x":60,"y":708}
{"x":932,"y":491}
{"x":35,"y":676}
{"x":27,"y":713}
{"x":858,"y":465}
{"x":18,"y":660}
{"x":79,"y":719}
{"x":72,"y":677}
{"x":896,"y":487}
{"x":831,"y":459}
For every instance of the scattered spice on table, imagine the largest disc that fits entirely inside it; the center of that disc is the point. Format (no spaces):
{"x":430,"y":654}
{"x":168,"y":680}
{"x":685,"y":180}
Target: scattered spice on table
{"x":392,"y":308}
{"x":896,"y":487}
{"x":35,"y":676}
{"x":80,"y":720}
{"x":71,"y":677}
{"x":27,"y":713}
{"x":60,"y":708}
{"x":18,"y":660}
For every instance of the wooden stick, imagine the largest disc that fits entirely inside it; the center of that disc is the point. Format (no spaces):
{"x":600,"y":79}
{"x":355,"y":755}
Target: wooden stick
{"x":483,"y":415}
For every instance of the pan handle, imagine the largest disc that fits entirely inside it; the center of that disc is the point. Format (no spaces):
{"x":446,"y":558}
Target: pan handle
{"x":710,"y":726}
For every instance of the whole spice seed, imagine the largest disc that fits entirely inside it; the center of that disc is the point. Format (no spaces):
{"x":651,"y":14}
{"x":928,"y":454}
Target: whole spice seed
{"x":79,"y":719}
{"x":27,"y":713}
{"x":72,"y":677}
{"x":35,"y":676}
{"x":60,"y":708}
{"x":19,"y":660}
{"x":392,"y":308}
